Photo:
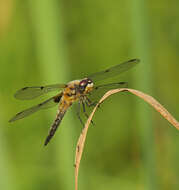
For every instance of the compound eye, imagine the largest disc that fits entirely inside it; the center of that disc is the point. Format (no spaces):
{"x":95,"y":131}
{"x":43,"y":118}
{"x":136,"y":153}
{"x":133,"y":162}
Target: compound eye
{"x":83,"y":83}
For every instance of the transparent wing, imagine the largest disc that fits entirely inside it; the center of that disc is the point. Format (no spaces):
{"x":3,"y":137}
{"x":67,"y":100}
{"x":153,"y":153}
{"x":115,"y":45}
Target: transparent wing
{"x":113,"y":71}
{"x":100,"y":90}
{"x":28,"y":93}
{"x":44,"y":105}
{"x":111,"y":86}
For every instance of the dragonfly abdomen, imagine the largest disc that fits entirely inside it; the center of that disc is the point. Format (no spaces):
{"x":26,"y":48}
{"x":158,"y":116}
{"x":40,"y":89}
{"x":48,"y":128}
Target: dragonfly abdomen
{"x":63,"y":106}
{"x":54,"y":126}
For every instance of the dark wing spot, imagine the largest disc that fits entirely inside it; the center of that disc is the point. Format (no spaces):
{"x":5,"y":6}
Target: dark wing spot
{"x":42,"y":87}
{"x":40,"y":104}
{"x":24,"y":88}
{"x":133,"y":60}
{"x":19,"y":113}
{"x":107,"y":70}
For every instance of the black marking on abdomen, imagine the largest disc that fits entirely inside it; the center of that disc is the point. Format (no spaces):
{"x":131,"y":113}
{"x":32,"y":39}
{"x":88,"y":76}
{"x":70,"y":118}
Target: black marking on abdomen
{"x":54,"y":126}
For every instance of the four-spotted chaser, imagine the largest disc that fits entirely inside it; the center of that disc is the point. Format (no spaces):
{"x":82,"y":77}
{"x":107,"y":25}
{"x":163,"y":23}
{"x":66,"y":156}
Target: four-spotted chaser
{"x":76,"y":90}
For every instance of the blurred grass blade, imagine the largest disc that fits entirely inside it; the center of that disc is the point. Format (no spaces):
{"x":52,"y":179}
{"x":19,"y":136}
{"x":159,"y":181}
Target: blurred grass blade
{"x":144,"y":76}
{"x":6,"y":174}
{"x":52,"y":60}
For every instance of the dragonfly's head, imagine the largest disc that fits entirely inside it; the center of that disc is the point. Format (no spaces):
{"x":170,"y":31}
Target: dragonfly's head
{"x":86,"y":85}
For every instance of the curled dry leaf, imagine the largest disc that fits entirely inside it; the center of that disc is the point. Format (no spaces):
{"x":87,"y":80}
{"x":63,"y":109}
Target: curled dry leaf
{"x":149,"y":99}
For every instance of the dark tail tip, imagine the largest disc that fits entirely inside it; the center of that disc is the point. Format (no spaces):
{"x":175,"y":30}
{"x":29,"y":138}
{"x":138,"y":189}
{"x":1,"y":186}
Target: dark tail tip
{"x":47,"y":140}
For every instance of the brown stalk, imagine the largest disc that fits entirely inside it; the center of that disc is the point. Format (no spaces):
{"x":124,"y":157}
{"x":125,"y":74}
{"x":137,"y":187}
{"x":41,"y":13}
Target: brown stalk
{"x":149,"y":99}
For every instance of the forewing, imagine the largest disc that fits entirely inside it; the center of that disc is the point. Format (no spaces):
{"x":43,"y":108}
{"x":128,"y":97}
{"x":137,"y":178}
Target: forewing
{"x":113,"y":71}
{"x":28,"y":93}
{"x":100,"y":90}
{"x":110,"y":86}
{"x":44,"y":105}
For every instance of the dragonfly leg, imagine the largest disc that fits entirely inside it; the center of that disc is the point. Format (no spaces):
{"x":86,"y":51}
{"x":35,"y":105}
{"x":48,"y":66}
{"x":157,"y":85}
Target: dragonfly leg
{"x":78,"y":113}
{"x":84,"y":111}
{"x":89,"y":103}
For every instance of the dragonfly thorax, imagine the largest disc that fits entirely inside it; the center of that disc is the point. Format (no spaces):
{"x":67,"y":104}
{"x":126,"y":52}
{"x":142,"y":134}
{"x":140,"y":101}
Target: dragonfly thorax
{"x":77,"y":88}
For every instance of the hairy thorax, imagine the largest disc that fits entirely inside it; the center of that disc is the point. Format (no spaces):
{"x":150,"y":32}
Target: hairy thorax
{"x":76,"y":90}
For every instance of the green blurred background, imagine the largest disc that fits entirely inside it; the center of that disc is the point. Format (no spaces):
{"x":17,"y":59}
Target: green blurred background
{"x":131,"y":145}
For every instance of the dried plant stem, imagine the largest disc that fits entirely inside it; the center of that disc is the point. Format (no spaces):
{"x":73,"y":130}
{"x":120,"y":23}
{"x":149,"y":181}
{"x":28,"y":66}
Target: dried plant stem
{"x":149,"y":99}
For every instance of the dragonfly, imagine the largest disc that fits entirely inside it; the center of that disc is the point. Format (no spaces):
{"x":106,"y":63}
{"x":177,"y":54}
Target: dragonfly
{"x":74,"y":91}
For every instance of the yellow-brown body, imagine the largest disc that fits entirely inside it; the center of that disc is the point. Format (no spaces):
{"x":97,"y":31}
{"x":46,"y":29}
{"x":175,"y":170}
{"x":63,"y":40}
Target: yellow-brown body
{"x":72,"y":94}
{"x":74,"y":91}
